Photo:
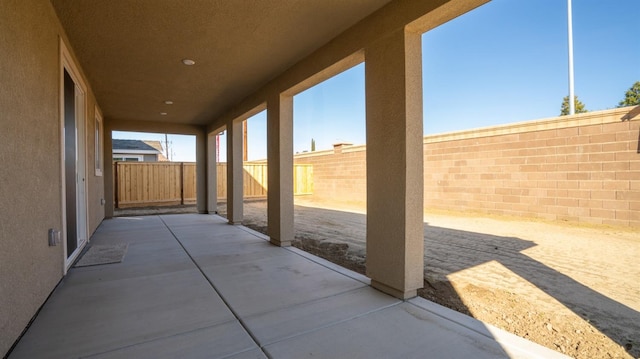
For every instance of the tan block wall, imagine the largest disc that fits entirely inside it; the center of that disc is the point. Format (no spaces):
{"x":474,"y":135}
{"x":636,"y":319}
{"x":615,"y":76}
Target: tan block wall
{"x":30,"y":154}
{"x":583,"y":168}
{"x":338,"y":176}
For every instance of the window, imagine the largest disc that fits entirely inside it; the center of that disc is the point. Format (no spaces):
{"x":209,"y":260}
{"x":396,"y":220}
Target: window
{"x":98,"y":143}
{"x":127,"y":158}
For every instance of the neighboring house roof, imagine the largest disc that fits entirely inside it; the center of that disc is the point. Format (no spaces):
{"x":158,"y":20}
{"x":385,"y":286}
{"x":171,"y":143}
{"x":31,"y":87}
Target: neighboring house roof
{"x":142,"y":147}
{"x":133,"y":146}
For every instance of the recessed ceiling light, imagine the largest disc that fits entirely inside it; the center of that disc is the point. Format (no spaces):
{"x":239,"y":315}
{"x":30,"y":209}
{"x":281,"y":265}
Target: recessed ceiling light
{"x":163,"y":113}
{"x":169,"y":102}
{"x":188,"y":62}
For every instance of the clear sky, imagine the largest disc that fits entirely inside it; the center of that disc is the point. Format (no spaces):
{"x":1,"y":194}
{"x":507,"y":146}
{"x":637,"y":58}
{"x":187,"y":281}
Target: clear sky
{"x":504,"y":62}
{"x":507,"y":61}
{"x":182,"y":147}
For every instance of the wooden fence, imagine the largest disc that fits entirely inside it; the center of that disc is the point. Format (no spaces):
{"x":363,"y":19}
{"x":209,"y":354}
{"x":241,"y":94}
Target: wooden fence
{"x":142,"y":184}
{"x":302,"y":179}
{"x":255,"y":180}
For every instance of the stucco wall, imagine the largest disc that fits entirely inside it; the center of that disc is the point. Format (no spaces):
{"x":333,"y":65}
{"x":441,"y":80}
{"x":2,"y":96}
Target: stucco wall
{"x":583,"y":168}
{"x":31,"y":162}
{"x":95,"y":182}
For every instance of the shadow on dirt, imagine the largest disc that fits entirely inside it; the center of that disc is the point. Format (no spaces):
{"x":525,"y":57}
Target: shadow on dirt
{"x":331,"y":235}
{"x":472,"y":249}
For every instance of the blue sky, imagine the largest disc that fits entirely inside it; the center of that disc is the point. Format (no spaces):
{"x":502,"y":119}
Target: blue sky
{"x":507,"y":61}
{"x":504,"y":62}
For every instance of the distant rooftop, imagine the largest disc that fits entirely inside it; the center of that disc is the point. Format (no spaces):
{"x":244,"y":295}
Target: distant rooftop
{"x":137,"y":145}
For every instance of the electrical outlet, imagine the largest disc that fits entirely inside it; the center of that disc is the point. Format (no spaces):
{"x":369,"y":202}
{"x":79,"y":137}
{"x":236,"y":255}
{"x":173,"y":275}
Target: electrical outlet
{"x":54,"y":237}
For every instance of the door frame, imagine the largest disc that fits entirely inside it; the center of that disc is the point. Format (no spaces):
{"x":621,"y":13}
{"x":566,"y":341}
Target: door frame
{"x":67,"y":63}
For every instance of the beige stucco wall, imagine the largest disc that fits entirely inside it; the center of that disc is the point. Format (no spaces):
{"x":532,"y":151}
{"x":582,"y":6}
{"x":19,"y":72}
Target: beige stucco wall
{"x":31,"y":162}
{"x":95,"y":182}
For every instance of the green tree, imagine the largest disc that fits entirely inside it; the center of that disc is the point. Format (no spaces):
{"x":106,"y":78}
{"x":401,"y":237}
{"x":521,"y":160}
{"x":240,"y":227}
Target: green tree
{"x":313,"y":145}
{"x":632,"y":97}
{"x":578,"y":106}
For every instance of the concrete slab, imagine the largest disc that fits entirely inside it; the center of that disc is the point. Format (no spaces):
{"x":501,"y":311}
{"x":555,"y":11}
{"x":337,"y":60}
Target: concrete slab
{"x":294,"y":320}
{"x":513,"y":345}
{"x":224,"y":233}
{"x":334,"y":267}
{"x":250,"y":354}
{"x":265,"y":301}
{"x":236,"y":253}
{"x":402,"y":331}
{"x":125,"y":224}
{"x":196,"y":243}
{"x":137,"y":263}
{"x":178,"y":220}
{"x":84,"y":319}
{"x":220,"y":341}
{"x":276,"y":282}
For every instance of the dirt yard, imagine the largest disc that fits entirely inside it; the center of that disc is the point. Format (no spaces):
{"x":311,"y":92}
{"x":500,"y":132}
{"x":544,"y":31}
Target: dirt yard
{"x":573,"y":289}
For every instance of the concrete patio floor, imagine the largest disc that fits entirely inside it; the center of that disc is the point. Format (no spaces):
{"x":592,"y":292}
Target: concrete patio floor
{"x":192,"y":286}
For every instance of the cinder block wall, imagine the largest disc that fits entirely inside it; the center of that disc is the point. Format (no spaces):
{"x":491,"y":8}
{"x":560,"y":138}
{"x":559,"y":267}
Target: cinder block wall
{"x":583,"y":168}
{"x":339,"y":175}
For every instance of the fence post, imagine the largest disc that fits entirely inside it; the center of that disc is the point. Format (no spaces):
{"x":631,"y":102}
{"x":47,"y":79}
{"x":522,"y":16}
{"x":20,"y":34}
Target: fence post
{"x":181,"y":183}
{"x":115,"y":185}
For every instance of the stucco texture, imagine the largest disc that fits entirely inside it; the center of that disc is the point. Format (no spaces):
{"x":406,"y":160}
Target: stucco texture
{"x":31,"y":162}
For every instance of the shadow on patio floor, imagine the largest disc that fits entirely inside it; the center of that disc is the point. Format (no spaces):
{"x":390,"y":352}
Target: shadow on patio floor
{"x":519,"y":285}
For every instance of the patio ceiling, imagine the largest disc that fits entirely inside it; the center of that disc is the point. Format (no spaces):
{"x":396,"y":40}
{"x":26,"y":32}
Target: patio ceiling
{"x":132,"y":51}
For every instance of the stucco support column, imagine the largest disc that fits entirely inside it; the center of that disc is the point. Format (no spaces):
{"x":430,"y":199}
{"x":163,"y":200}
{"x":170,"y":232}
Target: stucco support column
{"x":201,"y":171}
{"x":234,"y":173}
{"x":280,"y":169}
{"x":107,"y":170}
{"x":212,"y":174}
{"x":395,"y":244}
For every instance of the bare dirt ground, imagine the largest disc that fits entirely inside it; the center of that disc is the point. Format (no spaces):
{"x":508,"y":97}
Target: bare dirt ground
{"x":570,"y":288}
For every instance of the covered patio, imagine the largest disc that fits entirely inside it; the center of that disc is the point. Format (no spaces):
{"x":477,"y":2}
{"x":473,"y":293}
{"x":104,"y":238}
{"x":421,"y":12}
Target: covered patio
{"x":193,"y":286}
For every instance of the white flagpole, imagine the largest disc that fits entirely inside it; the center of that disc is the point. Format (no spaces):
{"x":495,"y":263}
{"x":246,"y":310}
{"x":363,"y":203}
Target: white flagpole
{"x":572,"y":109}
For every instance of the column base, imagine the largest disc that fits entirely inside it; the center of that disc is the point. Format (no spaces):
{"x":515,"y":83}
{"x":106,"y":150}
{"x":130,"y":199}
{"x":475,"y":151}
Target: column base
{"x":394,"y":292}
{"x":277,"y":242}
